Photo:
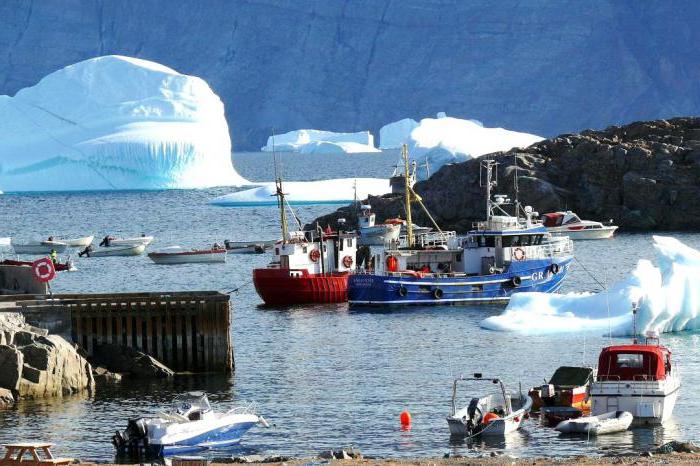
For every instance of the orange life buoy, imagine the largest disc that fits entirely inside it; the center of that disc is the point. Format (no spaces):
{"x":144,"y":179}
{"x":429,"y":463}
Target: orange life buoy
{"x":314,"y":255}
{"x":347,"y":262}
{"x":392,"y":265}
{"x":518,"y":254}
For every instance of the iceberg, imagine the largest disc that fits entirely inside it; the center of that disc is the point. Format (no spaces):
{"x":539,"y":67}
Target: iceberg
{"x":337,"y":191}
{"x":114,"y":123}
{"x":667,"y":295}
{"x":435,"y":142}
{"x":313,"y":141}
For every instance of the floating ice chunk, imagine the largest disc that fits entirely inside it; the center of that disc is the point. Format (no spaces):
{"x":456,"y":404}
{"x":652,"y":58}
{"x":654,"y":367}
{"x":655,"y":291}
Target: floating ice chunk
{"x":668,"y":297}
{"x":338,"y":191}
{"x":394,"y":135}
{"x":313,"y":141}
{"x":114,"y":122}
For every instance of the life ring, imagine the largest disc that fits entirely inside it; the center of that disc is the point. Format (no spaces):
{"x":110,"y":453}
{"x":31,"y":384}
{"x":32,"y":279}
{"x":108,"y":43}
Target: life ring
{"x":402,"y":291}
{"x":314,"y":255}
{"x":392,"y":265}
{"x":516,"y":281}
{"x":437,"y":293}
{"x":43,"y":270}
{"x":554,"y":268}
{"x":347,"y":262}
{"x":518,"y":254}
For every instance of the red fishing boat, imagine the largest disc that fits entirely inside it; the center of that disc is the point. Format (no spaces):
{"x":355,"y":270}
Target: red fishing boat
{"x":308,"y":267}
{"x":60,"y":267}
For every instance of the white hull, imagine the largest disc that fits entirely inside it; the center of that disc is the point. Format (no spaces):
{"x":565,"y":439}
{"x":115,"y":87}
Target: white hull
{"x":497,"y":427}
{"x":118,"y":251}
{"x":188,"y":258}
{"x":607,"y":423}
{"x":605,"y":232}
{"x":378,"y":235}
{"x":144,"y":240}
{"x":651,"y":403}
{"x":43,"y":247}
{"x":79,"y":242}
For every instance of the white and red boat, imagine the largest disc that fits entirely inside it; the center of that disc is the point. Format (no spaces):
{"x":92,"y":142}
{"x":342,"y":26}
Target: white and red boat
{"x":569,"y":224}
{"x":638,"y":378}
{"x":177,"y":255}
{"x":308,"y":267}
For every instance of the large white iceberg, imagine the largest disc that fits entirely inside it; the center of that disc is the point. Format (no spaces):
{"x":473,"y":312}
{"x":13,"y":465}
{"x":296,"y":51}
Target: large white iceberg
{"x":668,"y":298}
{"x":437,"y":141}
{"x":338,"y":191}
{"x":313,"y":141}
{"x":114,"y":122}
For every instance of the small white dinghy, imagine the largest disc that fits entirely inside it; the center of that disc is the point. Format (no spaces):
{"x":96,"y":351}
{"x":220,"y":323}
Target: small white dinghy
{"x":176,"y":255}
{"x":608,"y":423}
{"x":82,"y":242}
{"x":39,"y":247}
{"x":493,"y":415}
{"x":109,"y":241}
{"x":134,"y":250}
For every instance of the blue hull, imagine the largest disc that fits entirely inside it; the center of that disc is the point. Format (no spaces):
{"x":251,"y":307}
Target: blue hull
{"x":529,"y":275}
{"x":219,"y":438}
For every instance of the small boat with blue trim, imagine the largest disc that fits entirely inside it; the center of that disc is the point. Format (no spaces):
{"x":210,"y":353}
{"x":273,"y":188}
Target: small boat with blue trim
{"x":503,"y":255}
{"x":191,"y":426}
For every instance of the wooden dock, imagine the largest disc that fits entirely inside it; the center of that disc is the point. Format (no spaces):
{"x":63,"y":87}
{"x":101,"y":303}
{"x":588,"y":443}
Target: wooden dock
{"x":187,"y":331}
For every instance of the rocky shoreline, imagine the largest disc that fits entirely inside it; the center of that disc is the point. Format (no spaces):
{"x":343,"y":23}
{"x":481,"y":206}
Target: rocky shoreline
{"x":644,"y":176}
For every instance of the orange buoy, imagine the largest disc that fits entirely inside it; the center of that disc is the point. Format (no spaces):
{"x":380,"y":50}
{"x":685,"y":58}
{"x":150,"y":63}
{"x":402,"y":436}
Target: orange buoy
{"x":490,"y":417}
{"x":405,"y":418}
{"x":392,"y":264}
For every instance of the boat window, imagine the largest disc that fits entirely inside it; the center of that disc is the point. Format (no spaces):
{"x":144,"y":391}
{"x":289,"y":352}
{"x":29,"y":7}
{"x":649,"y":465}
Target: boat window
{"x":304,"y":249}
{"x":526,"y":240}
{"x":340,"y":244}
{"x":511,"y":241}
{"x":459,"y":257}
{"x":632,"y":361}
{"x":349,"y":240}
{"x":537,"y":240}
{"x":486,"y":241}
{"x":277,"y":251}
{"x":573,"y":219}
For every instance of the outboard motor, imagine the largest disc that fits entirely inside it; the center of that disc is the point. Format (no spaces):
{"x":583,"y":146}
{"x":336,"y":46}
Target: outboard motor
{"x":132,"y":442}
{"x":475,"y":414}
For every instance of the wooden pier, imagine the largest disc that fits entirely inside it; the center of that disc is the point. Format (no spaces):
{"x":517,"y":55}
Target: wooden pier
{"x":186,"y":331}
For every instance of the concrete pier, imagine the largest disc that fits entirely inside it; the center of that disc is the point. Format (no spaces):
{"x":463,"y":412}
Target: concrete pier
{"x":187,"y":331}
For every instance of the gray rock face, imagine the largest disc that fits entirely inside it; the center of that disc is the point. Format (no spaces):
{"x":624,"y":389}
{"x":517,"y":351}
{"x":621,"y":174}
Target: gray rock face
{"x":356,"y":65}
{"x":643,"y":176}
{"x":33,"y":364}
{"x":122,"y":359}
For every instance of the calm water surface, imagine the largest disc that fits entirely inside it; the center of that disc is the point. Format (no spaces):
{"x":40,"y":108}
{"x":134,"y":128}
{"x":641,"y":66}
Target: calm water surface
{"x":327,"y":377}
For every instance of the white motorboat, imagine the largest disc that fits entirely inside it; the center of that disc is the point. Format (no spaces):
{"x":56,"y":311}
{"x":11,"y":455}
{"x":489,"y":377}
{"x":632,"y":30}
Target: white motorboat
{"x":109,"y":241}
{"x":39,"y":247}
{"x":496,"y":414}
{"x":82,"y":242}
{"x":569,"y":224}
{"x":132,"y":250}
{"x":372,"y":234}
{"x":249,"y":247}
{"x":177,"y":255}
{"x":638,"y":378}
{"x":606,"y":423}
{"x":190,"y":427}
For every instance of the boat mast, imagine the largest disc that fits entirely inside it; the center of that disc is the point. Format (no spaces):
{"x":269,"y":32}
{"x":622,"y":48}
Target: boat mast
{"x":488,"y":189}
{"x":407,"y":186}
{"x":280,"y":194}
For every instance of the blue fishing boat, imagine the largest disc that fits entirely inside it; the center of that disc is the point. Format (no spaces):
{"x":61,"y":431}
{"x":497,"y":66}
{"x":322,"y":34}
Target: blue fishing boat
{"x":502,"y":255}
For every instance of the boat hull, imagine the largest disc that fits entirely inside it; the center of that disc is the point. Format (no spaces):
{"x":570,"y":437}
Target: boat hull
{"x":65,"y":267}
{"x":285,"y":286}
{"x":189,"y":257}
{"x":79,"y":242}
{"x":378,"y":235}
{"x":534,"y":275}
{"x":111,"y":251}
{"x":221,"y":437}
{"x":605,"y":232}
{"x":40,"y":248}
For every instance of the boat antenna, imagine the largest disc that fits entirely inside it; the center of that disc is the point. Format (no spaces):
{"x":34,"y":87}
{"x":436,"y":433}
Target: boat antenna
{"x":407,"y":197}
{"x":635,"y":308}
{"x":515,"y":187}
{"x":281,"y":201}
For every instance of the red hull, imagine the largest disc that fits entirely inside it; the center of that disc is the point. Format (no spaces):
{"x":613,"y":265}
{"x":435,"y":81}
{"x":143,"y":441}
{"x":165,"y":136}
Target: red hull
{"x":277,"y":286}
{"x":58,"y":267}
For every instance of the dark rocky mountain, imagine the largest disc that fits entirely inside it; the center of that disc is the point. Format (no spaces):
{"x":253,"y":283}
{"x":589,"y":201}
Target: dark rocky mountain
{"x":643,"y":176}
{"x":540,"y":66}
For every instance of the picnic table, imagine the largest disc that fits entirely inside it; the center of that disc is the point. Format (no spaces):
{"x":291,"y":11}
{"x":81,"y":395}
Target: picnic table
{"x":39,"y":455}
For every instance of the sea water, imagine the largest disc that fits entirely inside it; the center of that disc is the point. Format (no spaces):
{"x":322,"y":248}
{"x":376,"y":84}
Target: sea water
{"x":324,"y":375}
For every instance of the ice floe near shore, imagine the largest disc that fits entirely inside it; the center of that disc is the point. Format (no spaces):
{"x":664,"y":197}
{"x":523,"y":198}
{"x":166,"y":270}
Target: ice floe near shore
{"x":114,"y":122}
{"x":337,"y":191}
{"x":313,"y":141}
{"x":444,"y":139}
{"x":668,"y":297}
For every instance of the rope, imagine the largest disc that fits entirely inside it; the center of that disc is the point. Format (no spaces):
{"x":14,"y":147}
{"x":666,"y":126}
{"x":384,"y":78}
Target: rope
{"x":602,"y":285}
{"x":235,"y":290}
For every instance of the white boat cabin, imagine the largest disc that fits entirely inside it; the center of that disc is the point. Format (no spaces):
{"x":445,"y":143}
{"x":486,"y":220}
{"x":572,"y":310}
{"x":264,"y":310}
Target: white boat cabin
{"x":325,"y":253}
{"x":367,"y":218}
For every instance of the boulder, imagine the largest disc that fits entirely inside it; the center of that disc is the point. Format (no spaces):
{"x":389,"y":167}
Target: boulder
{"x":11,"y":362}
{"x":6,"y":398}
{"x":133,"y":362}
{"x":102,"y":375}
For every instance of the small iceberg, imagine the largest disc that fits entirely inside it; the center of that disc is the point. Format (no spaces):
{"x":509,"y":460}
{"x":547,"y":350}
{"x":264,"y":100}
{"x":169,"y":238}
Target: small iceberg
{"x":313,"y":141}
{"x":337,"y":191}
{"x":435,"y":142}
{"x":667,"y":295}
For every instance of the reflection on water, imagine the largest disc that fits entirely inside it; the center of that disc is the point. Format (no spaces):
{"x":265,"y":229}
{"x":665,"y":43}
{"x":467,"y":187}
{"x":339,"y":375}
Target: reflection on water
{"x":326,"y":376}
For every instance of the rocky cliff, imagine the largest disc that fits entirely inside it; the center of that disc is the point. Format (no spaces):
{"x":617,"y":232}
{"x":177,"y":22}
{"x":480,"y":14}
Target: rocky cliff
{"x":643,"y":176}
{"x":349,"y":65}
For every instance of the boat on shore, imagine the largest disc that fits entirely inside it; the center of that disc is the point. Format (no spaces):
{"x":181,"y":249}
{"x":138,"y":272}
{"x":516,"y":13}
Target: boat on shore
{"x":191,"y":426}
{"x":495,"y":414}
{"x":176,"y":255}
{"x":39,"y":247}
{"x":132,"y":250}
{"x":501,"y":256}
{"x":569,"y":224}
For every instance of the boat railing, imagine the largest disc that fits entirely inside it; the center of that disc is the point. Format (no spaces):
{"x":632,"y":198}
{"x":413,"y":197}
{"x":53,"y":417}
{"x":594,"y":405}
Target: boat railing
{"x":429,"y":239}
{"x":248,"y":407}
{"x":641,"y":381}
